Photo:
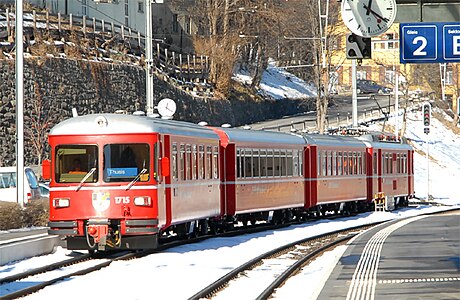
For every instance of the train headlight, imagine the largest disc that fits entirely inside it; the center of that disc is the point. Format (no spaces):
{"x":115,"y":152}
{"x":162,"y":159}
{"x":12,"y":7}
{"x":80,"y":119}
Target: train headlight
{"x":61,"y":202}
{"x":142,"y":201}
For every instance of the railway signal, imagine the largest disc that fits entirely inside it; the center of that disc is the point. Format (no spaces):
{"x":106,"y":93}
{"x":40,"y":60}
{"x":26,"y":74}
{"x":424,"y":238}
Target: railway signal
{"x":426,"y":117}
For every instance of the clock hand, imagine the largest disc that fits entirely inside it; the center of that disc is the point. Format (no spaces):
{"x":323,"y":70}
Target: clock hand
{"x":376,"y":15}
{"x":368,"y":8}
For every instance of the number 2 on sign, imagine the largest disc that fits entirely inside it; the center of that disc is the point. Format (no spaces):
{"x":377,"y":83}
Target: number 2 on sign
{"x":420,"y":50}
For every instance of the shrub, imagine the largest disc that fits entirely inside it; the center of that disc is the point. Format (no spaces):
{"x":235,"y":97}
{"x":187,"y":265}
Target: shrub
{"x":12,"y":216}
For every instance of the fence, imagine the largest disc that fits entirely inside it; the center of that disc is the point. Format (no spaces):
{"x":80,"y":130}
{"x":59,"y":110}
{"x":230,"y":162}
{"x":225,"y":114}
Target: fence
{"x":187,"y":68}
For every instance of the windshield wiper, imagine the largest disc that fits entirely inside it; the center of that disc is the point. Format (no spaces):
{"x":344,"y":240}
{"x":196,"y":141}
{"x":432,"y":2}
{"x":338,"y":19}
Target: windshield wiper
{"x":143,"y":171}
{"x":84,"y":179}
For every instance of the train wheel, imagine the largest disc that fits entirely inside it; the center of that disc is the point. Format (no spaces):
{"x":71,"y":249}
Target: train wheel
{"x":203,"y":227}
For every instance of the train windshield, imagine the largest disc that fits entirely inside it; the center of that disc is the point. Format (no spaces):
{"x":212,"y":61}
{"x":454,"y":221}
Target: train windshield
{"x":126,"y":162}
{"x":74,"y":162}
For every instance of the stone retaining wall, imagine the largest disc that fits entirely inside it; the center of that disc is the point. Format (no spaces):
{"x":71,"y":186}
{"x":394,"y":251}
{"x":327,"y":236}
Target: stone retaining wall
{"x":53,"y":86}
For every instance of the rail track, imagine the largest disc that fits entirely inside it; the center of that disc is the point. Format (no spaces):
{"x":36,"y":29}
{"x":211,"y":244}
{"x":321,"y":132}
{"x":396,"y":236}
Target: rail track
{"x":301,"y":251}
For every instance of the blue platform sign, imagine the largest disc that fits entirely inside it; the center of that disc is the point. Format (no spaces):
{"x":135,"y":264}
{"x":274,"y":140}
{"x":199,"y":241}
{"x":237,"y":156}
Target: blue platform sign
{"x":429,"y":42}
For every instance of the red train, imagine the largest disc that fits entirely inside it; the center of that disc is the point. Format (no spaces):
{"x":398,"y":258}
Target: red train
{"x":123,"y":181}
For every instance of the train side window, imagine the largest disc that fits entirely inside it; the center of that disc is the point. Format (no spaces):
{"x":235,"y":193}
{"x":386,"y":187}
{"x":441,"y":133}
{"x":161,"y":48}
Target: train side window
{"x":301,"y":162}
{"x":194,"y":163}
{"x":208,"y":164}
{"x":283,"y":163}
{"x":360,"y":163}
{"x":276,"y":163}
{"x":374,"y":164}
{"x":339,"y":163}
{"x":363,"y":162}
{"x":247,"y":163}
{"x":174,"y":161}
{"x":319,"y":167}
{"x":404,"y":166}
{"x":215,"y":162}
{"x":188,"y":162}
{"x":355,"y":163}
{"x":270,"y":163}
{"x":345,"y":163}
{"x":263,"y":163}
{"x":334,"y":163}
{"x":238,"y":163}
{"x":182,"y":162}
{"x":200,"y":162}
{"x":323,"y":163}
{"x":255,"y":163}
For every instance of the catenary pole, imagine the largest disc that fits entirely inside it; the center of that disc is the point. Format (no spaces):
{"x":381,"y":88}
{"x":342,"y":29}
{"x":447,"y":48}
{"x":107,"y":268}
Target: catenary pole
{"x":148,"y":56}
{"x":19,"y":105}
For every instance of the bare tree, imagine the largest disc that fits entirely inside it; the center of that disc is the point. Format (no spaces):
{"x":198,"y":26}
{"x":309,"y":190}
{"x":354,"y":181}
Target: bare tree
{"x":37,"y":123}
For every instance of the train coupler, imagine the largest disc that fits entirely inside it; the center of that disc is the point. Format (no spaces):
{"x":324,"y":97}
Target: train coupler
{"x":98,"y":231}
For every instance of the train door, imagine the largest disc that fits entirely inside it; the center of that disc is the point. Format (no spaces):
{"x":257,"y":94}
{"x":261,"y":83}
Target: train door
{"x":163,"y":154}
{"x":369,"y":172}
{"x":409,"y":172}
{"x":311,"y":176}
{"x":379,"y":171}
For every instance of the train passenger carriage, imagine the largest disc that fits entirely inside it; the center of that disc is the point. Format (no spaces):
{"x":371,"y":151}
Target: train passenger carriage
{"x":390,"y":170}
{"x":264,"y":173}
{"x":336,"y":176}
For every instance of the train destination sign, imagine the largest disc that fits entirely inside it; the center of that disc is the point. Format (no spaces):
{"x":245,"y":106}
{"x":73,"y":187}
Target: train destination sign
{"x":429,"y":42}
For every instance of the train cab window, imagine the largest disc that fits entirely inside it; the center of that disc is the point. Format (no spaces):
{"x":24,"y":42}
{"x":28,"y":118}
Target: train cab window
{"x":200,"y":162}
{"x":126,"y":162}
{"x":174,"y":161}
{"x":263,"y":163}
{"x":208,"y":165}
{"x":215,"y":162}
{"x":74,"y":162}
{"x":404,"y":163}
{"x":270,"y":163}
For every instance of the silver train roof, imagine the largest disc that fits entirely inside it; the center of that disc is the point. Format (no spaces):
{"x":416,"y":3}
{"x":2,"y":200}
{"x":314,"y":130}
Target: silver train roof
{"x":236,"y":135}
{"x":126,"y":124}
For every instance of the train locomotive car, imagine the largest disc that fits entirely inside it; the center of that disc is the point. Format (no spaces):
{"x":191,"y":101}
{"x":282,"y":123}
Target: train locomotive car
{"x":125,"y":181}
{"x":116,"y":179}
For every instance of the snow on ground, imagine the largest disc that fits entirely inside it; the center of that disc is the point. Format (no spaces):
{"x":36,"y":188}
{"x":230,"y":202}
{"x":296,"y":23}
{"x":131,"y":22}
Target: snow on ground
{"x":279,"y":84}
{"x":444,"y":164}
{"x":181,"y":272}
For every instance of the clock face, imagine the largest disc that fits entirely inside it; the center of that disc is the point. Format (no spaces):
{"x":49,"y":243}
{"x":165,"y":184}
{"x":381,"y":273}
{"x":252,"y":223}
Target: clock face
{"x":166,"y":107}
{"x":368,"y":18}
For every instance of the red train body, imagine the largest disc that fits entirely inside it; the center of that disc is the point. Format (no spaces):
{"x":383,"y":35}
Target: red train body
{"x":122,"y":182}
